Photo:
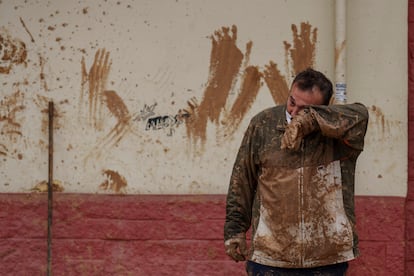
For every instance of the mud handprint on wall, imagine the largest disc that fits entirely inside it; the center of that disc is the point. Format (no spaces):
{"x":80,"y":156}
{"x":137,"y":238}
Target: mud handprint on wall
{"x":226,"y":69}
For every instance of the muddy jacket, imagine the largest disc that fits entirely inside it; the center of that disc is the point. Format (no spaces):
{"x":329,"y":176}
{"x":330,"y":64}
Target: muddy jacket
{"x":300,"y":204}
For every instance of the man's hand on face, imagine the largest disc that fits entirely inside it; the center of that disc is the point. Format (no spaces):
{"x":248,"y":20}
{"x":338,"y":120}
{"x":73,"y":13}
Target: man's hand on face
{"x":236,"y":247}
{"x":300,"y":126}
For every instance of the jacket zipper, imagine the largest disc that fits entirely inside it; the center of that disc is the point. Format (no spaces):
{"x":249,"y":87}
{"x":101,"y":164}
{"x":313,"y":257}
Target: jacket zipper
{"x":301,"y":203}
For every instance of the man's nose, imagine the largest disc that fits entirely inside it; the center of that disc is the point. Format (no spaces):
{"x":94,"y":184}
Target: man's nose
{"x":295,"y":111}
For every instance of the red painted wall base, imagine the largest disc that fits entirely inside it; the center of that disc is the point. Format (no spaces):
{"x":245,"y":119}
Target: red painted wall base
{"x":160,"y":235}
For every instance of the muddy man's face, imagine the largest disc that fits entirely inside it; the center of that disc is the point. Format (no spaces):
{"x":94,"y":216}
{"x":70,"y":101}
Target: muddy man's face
{"x":298,"y":99}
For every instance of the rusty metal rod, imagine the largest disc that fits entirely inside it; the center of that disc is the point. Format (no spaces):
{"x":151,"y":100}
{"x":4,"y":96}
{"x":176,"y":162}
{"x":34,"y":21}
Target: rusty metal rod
{"x":50,"y":192}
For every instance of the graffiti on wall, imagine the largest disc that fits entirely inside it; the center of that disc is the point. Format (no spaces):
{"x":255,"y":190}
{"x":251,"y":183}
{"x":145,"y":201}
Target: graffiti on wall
{"x":168,"y":122}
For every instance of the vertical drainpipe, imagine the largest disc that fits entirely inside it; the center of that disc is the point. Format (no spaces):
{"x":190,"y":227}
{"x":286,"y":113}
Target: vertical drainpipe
{"x":340,"y":52}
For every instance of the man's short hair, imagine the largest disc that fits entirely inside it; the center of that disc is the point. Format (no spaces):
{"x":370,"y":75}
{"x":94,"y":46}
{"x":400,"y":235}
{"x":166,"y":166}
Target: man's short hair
{"x":309,"y":78}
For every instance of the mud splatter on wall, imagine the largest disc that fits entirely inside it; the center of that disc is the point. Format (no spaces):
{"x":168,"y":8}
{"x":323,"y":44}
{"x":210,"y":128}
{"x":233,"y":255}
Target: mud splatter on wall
{"x":302,"y":52}
{"x":13,"y":52}
{"x":96,"y":80}
{"x":102,"y":103}
{"x":225,"y":67}
{"x":381,"y":127}
{"x":153,"y":95}
{"x":298,"y":57}
{"x":11,"y":120}
{"x":113,"y":182}
{"x":225,"y":61}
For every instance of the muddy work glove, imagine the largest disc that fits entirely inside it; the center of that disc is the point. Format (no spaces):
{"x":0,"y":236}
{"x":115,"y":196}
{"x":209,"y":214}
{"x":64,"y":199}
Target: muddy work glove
{"x":300,"y":126}
{"x":236,"y":247}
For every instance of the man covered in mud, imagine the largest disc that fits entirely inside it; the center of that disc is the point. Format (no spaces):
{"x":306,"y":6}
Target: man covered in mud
{"x":293,"y":184}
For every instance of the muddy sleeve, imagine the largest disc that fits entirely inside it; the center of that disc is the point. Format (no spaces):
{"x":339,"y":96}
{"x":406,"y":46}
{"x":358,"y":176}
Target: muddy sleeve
{"x":242,"y":187}
{"x":347,"y":123}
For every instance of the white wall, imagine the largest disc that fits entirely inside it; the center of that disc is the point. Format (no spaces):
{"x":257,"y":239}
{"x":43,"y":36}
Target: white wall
{"x":159,"y":54}
{"x":377,"y":76}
